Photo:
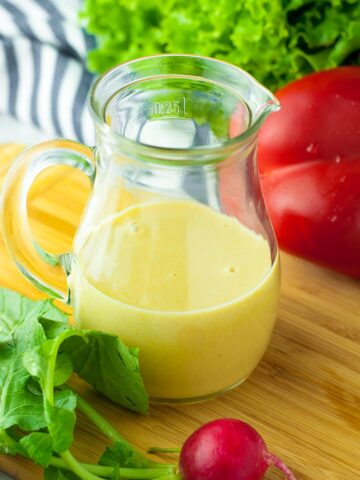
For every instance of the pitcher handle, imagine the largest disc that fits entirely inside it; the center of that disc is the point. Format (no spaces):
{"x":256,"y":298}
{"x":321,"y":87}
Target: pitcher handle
{"x":46,"y":271}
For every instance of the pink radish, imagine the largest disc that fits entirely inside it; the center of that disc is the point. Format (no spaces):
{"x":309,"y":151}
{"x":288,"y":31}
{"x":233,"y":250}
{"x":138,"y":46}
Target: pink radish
{"x":227,"y":449}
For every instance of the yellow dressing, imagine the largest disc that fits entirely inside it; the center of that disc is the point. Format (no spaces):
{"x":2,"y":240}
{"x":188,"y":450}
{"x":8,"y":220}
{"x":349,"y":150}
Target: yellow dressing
{"x":194,"y":289}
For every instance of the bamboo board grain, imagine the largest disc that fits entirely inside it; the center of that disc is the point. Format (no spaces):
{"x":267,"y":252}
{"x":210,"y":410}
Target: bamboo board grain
{"x":304,"y":397}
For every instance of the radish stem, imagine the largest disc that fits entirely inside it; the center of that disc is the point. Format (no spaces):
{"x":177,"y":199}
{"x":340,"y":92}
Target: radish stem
{"x":103,"y":472}
{"x":104,"y":427}
{"x":77,"y":468}
{"x":163,"y":450}
{"x":174,"y":476}
{"x":273,"y":461}
{"x":93,"y":472}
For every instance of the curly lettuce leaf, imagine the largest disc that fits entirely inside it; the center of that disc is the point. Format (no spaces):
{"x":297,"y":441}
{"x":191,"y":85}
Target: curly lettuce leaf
{"x":275,"y":40}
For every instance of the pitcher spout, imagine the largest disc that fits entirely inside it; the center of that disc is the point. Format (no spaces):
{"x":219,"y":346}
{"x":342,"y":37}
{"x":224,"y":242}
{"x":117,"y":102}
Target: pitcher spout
{"x":263,"y":102}
{"x":272,"y":105}
{"x":264,"y":109}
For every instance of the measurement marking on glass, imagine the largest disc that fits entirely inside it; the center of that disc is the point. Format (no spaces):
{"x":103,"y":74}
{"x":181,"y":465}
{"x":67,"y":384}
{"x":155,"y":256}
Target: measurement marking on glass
{"x":184,"y":106}
{"x":173,"y":107}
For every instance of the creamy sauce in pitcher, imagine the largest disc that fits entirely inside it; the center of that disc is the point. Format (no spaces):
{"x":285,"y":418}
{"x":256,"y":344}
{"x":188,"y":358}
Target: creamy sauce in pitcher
{"x":194,"y":289}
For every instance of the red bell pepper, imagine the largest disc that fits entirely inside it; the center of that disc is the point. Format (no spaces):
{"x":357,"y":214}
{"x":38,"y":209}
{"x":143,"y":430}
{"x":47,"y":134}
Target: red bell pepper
{"x":309,"y":161}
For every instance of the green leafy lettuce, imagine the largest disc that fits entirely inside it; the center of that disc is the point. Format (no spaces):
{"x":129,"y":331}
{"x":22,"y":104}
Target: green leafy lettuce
{"x":275,"y":40}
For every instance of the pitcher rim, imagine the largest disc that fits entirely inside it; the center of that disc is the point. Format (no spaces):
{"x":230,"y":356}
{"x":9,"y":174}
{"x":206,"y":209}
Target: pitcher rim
{"x":158,"y":154}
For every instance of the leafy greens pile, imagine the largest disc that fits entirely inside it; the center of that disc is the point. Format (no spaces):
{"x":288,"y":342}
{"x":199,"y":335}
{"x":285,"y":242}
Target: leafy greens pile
{"x":38,"y":353}
{"x":275,"y":40}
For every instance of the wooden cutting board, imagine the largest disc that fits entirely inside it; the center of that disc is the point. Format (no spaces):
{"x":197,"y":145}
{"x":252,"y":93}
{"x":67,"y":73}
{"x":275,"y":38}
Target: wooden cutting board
{"x":304,"y":397}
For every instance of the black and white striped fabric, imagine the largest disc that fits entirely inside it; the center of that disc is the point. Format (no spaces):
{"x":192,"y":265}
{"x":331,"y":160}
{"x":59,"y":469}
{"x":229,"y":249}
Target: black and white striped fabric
{"x":43,"y":76}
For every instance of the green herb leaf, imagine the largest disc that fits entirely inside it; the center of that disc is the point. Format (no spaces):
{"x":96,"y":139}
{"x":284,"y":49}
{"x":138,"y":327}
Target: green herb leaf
{"x":63,"y":369}
{"x":91,"y":353}
{"x":60,"y":423}
{"x":53,"y":320}
{"x":124,"y":455}
{"x":18,"y":405}
{"x":37,"y":352}
{"x":13,"y":309}
{"x":36,"y":362}
{"x":44,"y":364}
{"x":37,"y":446}
{"x":23,"y":331}
{"x":91,"y":356}
{"x":8,"y":446}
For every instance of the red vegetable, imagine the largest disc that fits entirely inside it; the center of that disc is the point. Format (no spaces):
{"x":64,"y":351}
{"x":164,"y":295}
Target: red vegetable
{"x":227,"y":449}
{"x":309,"y":160}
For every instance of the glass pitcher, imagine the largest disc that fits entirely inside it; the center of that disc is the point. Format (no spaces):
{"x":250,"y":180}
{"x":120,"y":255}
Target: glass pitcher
{"x":175,"y":252}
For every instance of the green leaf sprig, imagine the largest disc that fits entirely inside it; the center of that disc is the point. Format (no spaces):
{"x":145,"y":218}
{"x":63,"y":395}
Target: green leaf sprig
{"x":39,"y":351}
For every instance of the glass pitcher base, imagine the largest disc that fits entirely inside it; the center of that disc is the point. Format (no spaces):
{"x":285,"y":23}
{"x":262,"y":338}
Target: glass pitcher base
{"x":191,"y":400}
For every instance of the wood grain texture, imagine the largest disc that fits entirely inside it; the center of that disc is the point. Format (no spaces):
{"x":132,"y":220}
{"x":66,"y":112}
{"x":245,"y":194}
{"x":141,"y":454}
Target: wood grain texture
{"x":304,"y":397}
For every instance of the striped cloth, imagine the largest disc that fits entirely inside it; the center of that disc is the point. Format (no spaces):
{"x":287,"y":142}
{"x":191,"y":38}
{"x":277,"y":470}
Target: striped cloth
{"x":44,"y":81}
{"x":43,"y":77}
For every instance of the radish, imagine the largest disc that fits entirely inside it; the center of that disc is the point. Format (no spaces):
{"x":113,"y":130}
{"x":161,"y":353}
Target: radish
{"x":227,"y":449}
